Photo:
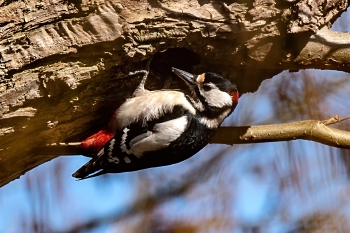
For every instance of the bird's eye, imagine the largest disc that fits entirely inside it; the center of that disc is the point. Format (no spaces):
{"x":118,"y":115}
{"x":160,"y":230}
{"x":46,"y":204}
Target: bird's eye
{"x":207,"y":87}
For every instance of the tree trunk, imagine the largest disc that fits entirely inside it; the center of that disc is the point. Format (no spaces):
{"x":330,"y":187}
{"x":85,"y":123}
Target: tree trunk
{"x":64,"y":65}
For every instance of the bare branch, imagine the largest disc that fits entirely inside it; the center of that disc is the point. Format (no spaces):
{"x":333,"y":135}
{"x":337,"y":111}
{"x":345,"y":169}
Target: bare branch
{"x":311,"y":130}
{"x":332,"y":120}
{"x":335,"y":119}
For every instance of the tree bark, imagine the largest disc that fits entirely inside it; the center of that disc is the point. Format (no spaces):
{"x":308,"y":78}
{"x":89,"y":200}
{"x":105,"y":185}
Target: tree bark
{"x":64,"y":65}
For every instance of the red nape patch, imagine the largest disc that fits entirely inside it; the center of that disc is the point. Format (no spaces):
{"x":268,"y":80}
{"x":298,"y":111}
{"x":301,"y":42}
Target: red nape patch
{"x":235,"y":96}
{"x":95,"y":142}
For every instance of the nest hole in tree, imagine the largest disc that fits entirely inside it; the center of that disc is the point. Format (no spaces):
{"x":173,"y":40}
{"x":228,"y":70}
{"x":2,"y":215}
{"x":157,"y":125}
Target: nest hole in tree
{"x":180,"y":58}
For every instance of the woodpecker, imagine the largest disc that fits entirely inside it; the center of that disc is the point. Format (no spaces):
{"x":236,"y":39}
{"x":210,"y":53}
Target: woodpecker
{"x":161,"y":127}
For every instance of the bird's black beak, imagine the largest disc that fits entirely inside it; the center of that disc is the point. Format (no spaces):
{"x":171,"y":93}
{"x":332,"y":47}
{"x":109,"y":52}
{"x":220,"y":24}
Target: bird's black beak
{"x":187,"y":77}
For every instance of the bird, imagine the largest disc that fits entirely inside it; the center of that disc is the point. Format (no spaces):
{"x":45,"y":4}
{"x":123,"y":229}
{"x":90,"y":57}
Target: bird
{"x":160,"y":127}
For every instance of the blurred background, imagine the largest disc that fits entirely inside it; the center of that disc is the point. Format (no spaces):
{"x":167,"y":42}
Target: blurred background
{"x":286,"y":187}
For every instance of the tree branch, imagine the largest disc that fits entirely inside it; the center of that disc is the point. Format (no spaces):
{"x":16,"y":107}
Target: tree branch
{"x":311,"y":130}
{"x":326,"y":49}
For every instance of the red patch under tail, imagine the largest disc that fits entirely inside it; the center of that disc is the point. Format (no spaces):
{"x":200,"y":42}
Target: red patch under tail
{"x":95,"y":142}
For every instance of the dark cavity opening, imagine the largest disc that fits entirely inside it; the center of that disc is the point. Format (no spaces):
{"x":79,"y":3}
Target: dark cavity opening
{"x":180,"y":58}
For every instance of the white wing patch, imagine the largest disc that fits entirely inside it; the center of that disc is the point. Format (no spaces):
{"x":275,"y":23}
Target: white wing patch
{"x":150,"y":105}
{"x":139,"y":138}
{"x":164,"y":133}
{"x":110,"y":157}
{"x":123,"y":141}
{"x":110,"y":148}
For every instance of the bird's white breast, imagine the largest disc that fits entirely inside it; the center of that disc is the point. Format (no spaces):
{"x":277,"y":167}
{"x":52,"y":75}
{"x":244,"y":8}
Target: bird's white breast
{"x":150,"y":105}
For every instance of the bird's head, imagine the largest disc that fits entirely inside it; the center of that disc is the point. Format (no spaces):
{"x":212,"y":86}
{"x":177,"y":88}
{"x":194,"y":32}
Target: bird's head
{"x":213,"y":90}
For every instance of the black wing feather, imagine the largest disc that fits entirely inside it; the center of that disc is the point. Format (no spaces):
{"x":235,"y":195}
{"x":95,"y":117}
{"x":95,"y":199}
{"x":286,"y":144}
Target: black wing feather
{"x":112,"y":159}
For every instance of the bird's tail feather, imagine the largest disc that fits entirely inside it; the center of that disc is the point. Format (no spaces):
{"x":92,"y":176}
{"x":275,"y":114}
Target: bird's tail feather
{"x":89,"y":169}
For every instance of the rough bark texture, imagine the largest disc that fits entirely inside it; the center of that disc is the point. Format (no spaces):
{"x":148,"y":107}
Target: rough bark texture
{"x":64,"y":64}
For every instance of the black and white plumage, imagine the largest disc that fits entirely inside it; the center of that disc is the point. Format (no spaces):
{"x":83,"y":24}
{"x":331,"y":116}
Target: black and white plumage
{"x":162,"y":127}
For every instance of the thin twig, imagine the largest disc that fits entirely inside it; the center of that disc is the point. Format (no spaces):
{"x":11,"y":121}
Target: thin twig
{"x":335,"y":119}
